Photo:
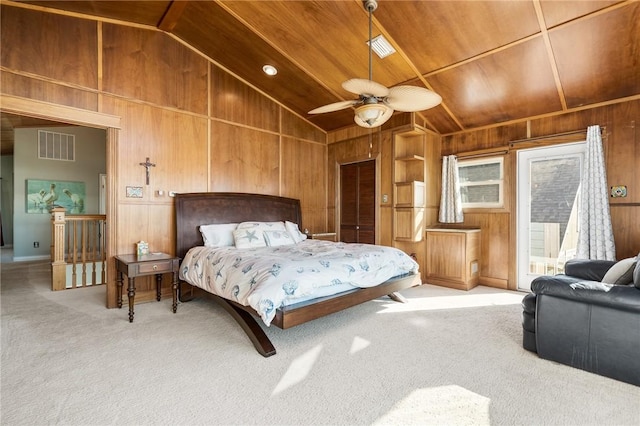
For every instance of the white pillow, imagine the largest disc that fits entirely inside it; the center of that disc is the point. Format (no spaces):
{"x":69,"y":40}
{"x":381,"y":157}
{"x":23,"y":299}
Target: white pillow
{"x":621,"y":273}
{"x":218,"y":235}
{"x":278,"y":238}
{"x":263,"y":226}
{"x":293,"y":229}
{"x":249,"y":238}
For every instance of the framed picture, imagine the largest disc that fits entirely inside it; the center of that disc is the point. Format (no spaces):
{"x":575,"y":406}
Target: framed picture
{"x":44,"y":195}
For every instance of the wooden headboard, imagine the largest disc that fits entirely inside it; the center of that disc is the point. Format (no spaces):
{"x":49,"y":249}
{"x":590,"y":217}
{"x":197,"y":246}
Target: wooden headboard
{"x":202,"y":208}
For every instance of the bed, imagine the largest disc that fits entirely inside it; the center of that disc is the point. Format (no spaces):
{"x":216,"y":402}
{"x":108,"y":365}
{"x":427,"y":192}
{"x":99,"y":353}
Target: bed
{"x":194,"y":210}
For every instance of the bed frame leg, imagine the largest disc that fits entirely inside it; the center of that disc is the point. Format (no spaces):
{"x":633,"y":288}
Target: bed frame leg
{"x":184,"y":296}
{"x":398,"y":297}
{"x":250,"y":326}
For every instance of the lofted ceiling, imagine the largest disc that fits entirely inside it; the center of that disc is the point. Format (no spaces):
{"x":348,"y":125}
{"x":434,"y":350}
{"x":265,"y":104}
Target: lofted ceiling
{"x":491,"y":61}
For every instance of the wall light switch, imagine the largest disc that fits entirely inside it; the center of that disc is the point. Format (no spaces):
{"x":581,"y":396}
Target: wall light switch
{"x":385,"y":198}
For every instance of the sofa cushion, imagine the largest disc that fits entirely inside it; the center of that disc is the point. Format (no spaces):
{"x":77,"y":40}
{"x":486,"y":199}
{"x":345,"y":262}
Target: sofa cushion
{"x":588,"y":269}
{"x":619,"y":297}
{"x":621,"y":273}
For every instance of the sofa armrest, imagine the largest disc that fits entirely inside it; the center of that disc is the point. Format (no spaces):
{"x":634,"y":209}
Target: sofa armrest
{"x":622,"y":297}
{"x":588,"y":269}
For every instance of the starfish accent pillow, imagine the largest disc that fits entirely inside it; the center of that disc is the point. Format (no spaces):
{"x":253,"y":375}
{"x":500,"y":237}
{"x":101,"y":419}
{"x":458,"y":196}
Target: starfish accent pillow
{"x":249,"y":238}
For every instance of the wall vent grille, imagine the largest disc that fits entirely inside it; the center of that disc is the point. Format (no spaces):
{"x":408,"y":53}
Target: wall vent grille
{"x":56,"y":146}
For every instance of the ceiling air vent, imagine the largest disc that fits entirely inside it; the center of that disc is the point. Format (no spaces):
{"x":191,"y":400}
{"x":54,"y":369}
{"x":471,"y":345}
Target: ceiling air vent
{"x":56,"y":146}
{"x":381,"y":46}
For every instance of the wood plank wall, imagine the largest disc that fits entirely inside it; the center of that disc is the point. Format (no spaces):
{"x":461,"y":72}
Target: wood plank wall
{"x":498,"y":245}
{"x":203,"y":128}
{"x":622,"y":153}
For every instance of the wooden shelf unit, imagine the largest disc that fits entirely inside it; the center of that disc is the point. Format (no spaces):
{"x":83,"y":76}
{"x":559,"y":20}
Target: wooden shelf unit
{"x":409,"y":175}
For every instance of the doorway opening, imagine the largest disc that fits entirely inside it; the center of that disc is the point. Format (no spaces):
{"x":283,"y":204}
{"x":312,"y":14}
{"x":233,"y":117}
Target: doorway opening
{"x":74,"y":116}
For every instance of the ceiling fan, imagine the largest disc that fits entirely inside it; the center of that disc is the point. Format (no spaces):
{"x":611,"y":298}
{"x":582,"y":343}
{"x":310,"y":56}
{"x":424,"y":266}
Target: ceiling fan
{"x":376,"y":102}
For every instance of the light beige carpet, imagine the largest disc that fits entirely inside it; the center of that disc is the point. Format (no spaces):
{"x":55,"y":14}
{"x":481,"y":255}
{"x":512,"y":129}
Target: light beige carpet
{"x":447,"y":357}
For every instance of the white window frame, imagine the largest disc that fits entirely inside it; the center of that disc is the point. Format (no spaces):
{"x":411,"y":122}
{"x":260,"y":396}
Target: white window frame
{"x":498,"y":182}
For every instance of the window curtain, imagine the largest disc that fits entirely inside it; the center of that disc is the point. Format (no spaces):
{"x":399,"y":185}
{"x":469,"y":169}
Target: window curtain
{"x":450,"y":199}
{"x":595,"y":233}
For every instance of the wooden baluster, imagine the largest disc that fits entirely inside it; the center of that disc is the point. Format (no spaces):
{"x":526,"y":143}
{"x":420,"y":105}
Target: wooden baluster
{"x":92,"y":249}
{"x":74,"y":254}
{"x":83,"y":250}
{"x":103,"y":250}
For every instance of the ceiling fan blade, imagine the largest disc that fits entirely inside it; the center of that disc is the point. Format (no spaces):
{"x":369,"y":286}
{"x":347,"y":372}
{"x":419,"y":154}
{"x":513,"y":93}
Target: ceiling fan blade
{"x":367,"y":88}
{"x":412,"y":98}
{"x":336,"y":106}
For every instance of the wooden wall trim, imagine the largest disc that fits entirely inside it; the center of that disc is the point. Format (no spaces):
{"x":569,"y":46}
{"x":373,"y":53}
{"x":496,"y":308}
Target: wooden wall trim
{"x":78,"y":15}
{"x":112,"y":216}
{"x":553,"y":114}
{"x":56,"y":112}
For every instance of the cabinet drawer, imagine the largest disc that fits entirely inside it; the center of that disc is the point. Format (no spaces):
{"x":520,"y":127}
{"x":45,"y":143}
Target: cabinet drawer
{"x":159,"y":267}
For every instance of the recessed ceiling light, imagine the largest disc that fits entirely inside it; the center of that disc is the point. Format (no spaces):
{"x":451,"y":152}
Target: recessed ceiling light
{"x":270,"y":70}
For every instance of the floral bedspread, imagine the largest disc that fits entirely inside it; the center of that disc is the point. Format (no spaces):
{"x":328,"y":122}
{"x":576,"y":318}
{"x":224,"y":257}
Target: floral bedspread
{"x":264,"y":278}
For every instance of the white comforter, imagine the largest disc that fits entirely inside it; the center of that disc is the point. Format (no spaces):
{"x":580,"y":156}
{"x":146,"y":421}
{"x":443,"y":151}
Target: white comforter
{"x":265,"y":278}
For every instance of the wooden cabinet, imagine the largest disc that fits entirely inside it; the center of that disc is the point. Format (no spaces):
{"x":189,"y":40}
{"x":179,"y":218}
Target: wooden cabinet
{"x":453,"y":257}
{"x":409,"y":194}
{"x":408,"y":224}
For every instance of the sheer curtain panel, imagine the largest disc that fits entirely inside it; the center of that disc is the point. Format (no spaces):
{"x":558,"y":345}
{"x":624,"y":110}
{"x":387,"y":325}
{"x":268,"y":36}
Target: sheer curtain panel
{"x":450,"y":200}
{"x":595,"y":233}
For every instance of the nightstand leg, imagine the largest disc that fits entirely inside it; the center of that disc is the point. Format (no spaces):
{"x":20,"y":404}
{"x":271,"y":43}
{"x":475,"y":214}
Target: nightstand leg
{"x":120,"y":279}
{"x":132,"y":294}
{"x":158,"y":286}
{"x":175,"y":291}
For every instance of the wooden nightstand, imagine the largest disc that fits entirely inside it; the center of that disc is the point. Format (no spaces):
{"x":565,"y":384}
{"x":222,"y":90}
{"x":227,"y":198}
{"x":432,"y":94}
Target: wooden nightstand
{"x":156,"y":264}
{"x":327,"y":236}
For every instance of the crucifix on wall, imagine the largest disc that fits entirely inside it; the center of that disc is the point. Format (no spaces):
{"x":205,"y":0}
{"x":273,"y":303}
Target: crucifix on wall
{"x":146,"y":165}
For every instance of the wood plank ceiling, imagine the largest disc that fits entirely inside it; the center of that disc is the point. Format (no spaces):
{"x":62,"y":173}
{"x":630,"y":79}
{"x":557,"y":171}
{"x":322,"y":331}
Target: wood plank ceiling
{"x":491,"y":61}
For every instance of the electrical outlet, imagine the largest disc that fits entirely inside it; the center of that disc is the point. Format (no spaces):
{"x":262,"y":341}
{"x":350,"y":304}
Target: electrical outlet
{"x":619,"y":191}
{"x":36,"y":244}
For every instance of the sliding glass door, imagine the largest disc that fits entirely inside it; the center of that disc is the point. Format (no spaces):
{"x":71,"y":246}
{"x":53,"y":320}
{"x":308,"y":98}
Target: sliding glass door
{"x":547,"y":200}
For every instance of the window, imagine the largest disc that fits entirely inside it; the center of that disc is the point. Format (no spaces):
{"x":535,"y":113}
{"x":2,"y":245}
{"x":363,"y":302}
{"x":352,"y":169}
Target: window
{"x":481,"y":182}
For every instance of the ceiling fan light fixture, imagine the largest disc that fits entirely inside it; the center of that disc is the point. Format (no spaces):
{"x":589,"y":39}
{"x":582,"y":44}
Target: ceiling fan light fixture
{"x":372,"y":115}
{"x":377,"y":102}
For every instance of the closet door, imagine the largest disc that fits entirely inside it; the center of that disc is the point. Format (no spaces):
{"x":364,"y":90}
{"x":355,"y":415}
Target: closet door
{"x":357,"y":202}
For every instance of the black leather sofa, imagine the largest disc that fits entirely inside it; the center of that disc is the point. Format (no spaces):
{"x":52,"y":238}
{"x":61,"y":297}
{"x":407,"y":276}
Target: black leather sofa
{"x":577,"y":320}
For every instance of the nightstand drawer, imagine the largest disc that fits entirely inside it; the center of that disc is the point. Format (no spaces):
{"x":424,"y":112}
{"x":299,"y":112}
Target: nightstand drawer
{"x":155,"y":267}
